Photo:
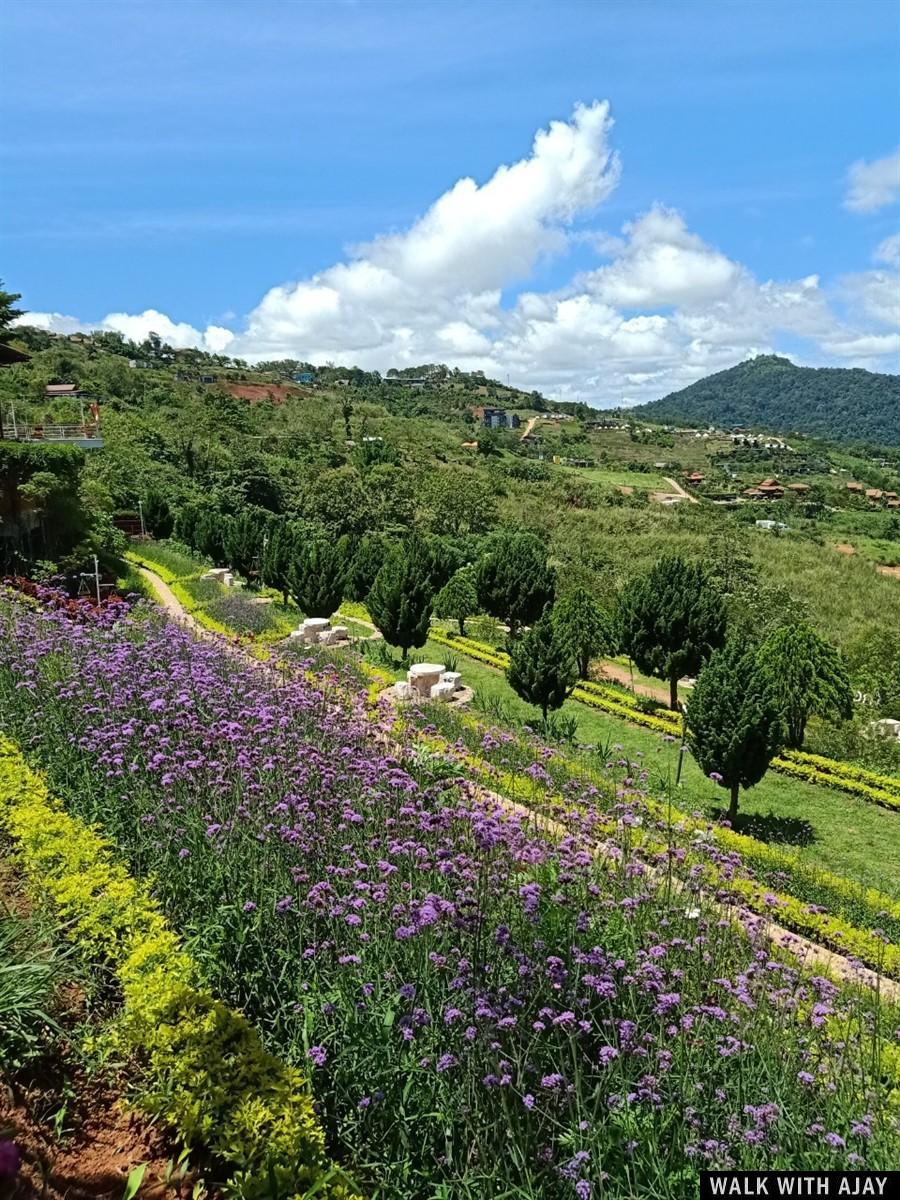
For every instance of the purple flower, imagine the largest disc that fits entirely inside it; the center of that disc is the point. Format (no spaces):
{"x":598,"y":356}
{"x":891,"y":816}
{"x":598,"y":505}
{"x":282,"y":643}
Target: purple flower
{"x":528,"y":1100}
{"x":446,"y":1061}
{"x":318,"y":1056}
{"x":10,"y":1160}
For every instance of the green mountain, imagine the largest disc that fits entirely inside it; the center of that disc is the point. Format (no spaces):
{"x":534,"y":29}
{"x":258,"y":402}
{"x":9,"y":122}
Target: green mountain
{"x":773,"y":394}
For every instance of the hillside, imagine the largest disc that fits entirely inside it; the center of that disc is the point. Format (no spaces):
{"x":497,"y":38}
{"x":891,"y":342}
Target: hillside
{"x":772,"y":393}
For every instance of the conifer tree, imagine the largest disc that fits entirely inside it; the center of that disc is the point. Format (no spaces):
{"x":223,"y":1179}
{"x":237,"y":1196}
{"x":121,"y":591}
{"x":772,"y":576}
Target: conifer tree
{"x":278,"y":555}
{"x":542,"y":668}
{"x":671,"y":620}
{"x":806,"y":676}
{"x":734,"y":724}
{"x":242,"y":541}
{"x":369,"y":555}
{"x":401,"y":596}
{"x":513,"y":580}
{"x":584,"y":627}
{"x":317,"y":574}
{"x":458,"y":599}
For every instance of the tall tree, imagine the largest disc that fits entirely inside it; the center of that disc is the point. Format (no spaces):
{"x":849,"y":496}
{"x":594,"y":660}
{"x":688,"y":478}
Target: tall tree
{"x":369,"y":555}
{"x":584,"y":626}
{"x":734,"y":723}
{"x":513,"y":581}
{"x":317,"y":575}
{"x":458,"y":599}
{"x":671,"y":620}
{"x":8,"y":311}
{"x":542,"y":668}
{"x":806,"y":676}
{"x":242,"y":540}
{"x":278,"y":554}
{"x":400,"y":600}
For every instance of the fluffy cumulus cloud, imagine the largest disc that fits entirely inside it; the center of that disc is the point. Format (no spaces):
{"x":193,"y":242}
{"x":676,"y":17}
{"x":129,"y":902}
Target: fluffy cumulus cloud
{"x":662,"y":307}
{"x":872,"y":185}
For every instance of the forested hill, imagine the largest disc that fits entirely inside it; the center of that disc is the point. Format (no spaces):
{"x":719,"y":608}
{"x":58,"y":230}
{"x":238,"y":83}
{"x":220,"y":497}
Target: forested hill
{"x":772,"y":393}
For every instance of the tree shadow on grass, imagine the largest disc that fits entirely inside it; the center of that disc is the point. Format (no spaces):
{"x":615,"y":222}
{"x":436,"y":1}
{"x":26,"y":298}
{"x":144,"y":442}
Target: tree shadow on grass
{"x":788,"y":831}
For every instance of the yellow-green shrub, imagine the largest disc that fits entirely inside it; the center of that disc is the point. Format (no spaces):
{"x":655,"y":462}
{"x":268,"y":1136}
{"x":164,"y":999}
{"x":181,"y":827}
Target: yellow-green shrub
{"x":203,"y":1068}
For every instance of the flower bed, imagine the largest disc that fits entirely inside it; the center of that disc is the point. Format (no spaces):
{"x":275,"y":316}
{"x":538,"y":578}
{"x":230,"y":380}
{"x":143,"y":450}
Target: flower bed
{"x":200,"y":1066}
{"x":828,"y":908}
{"x":485,"y":1009}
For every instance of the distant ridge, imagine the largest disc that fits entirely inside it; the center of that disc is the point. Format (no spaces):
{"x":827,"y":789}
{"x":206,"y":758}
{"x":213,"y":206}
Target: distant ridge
{"x":774,"y":394}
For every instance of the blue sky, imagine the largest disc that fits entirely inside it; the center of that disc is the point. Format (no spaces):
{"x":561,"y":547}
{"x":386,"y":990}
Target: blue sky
{"x":186,"y":158}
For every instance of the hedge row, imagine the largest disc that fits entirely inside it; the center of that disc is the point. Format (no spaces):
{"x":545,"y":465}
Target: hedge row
{"x":202,"y":1067}
{"x":813,"y":768}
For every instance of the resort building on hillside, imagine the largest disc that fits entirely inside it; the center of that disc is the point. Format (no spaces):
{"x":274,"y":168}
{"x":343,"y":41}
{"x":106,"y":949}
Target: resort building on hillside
{"x":496,"y":418}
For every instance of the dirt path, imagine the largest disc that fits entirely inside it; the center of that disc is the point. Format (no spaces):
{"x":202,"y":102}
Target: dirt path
{"x":619,"y":674}
{"x":810,"y":953}
{"x":173,"y":606}
{"x":529,"y":425}
{"x":679,"y":490}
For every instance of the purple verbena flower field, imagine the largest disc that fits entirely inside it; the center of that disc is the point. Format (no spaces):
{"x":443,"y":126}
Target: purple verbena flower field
{"x":485,"y":1010}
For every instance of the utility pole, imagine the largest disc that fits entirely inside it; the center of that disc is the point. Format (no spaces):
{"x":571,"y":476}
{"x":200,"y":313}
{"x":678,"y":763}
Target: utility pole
{"x":141,"y":513}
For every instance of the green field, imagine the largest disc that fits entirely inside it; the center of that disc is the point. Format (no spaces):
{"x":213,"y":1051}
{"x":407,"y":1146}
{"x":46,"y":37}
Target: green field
{"x":639,"y":480}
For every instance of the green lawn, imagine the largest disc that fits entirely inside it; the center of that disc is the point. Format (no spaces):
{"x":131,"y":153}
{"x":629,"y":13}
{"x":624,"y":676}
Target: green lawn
{"x":639,"y":480}
{"x":841,"y":833}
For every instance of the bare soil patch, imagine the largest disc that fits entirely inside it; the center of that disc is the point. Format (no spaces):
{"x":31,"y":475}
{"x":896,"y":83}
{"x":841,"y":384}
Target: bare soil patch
{"x":844,"y":548}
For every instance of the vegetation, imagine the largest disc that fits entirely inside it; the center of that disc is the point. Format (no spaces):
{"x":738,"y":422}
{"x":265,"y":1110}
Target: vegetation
{"x":671,"y":620}
{"x":534,"y":1010}
{"x":513,"y":581}
{"x":733,"y":720}
{"x":401,"y":596}
{"x":805,"y":676}
{"x":458,"y":599}
{"x":542,"y":667}
{"x":769,"y":392}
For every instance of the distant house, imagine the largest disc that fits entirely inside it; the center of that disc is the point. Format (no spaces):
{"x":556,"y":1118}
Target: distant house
{"x":303,"y":377}
{"x":9,"y":356}
{"x":855,"y":488}
{"x":800,"y":488}
{"x":57,"y":391}
{"x":771,"y":525}
{"x":495,"y":418}
{"x":694,"y":478}
{"x":874,"y":494}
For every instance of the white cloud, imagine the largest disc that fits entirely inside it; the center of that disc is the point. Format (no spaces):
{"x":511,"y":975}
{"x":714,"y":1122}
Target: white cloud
{"x":872,"y":185}
{"x":888,"y":251}
{"x":666,"y":308}
{"x":662,"y":263}
{"x":215,"y":339}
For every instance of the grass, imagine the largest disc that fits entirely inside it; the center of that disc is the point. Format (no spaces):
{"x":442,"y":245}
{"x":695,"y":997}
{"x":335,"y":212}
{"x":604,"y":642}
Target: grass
{"x":639,"y":480}
{"x":830,"y":829}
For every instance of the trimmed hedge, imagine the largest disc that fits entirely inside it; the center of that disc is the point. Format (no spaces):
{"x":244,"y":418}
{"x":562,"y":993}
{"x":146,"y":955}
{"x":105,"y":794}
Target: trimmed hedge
{"x":202,"y":1067}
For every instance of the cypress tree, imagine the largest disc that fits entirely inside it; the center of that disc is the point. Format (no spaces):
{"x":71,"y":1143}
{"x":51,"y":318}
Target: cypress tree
{"x":583,"y":626}
{"x":278,"y":555}
{"x":317,"y":575}
{"x":369,"y":555}
{"x":542,"y":668}
{"x":400,"y":600}
{"x":671,"y":620}
{"x":806,"y":676}
{"x":734,"y":724}
{"x":458,"y":599}
{"x":513,"y":582}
